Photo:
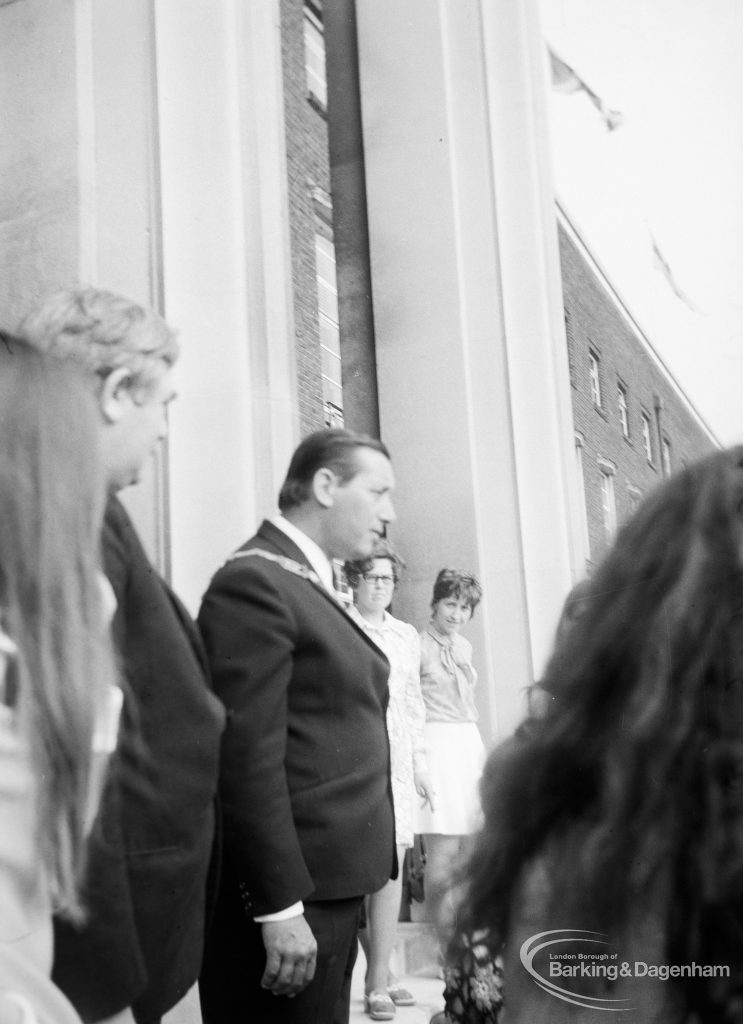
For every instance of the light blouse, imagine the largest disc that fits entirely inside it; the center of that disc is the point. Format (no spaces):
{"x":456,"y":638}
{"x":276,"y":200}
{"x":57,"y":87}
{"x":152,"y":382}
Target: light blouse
{"x":448,"y":678}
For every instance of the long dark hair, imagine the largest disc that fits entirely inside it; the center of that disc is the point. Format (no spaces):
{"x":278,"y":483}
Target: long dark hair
{"x":631,"y":783}
{"x":51,"y":502}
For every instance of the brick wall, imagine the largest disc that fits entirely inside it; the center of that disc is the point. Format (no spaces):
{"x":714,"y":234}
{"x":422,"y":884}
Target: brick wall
{"x":308,"y":167}
{"x":595,"y":321}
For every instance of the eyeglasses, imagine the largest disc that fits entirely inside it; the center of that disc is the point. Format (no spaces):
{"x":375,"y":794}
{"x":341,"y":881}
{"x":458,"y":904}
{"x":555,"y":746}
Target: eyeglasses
{"x":387,"y":581}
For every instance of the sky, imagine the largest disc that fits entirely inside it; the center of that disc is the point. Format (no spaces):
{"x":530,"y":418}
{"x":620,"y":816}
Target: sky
{"x":671,"y":174}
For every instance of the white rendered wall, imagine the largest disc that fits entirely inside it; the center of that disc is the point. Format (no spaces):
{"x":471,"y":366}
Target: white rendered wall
{"x":473,"y":379}
{"x":226,"y":274}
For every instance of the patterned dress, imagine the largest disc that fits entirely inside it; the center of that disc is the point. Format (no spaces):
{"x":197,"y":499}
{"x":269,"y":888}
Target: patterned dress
{"x":474,"y":981}
{"x":405,"y":714}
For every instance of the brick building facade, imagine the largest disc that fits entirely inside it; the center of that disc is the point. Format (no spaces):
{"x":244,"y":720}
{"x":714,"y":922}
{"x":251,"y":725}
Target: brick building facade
{"x":633,"y":424}
{"x":186,"y":147}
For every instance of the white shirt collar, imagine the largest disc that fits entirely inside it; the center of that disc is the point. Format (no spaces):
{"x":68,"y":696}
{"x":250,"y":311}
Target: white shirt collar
{"x":311,"y":551}
{"x":379,"y":627}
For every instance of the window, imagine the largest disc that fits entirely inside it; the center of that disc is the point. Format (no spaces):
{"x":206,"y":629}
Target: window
{"x":634,"y":495}
{"x":314,"y":54}
{"x":582,"y":496}
{"x":608,"y":502}
{"x":593,"y":369}
{"x":622,"y":405}
{"x":665,"y":454}
{"x":646,"y":440}
{"x":571,"y":346}
{"x":330,"y":348}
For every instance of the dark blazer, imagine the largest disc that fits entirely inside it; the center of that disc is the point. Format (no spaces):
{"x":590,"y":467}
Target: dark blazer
{"x":304,"y":784}
{"x":151,"y":845}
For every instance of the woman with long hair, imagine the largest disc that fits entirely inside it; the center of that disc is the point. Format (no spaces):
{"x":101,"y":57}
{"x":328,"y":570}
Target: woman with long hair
{"x":609,"y":870}
{"x":473,"y":990}
{"x":56,"y":664}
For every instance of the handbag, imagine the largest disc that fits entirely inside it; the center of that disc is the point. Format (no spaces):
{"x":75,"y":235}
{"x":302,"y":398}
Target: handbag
{"x":415,"y":863}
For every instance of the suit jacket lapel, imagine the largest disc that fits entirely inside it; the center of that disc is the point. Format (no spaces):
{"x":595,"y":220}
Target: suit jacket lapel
{"x":276,"y":538}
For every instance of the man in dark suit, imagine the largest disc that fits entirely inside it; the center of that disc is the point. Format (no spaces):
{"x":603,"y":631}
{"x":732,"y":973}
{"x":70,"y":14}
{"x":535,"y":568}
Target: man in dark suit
{"x":305,"y":788}
{"x":140,"y":949}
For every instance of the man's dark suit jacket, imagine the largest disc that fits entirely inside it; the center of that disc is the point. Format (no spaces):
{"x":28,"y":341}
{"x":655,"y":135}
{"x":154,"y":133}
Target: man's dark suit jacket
{"x":304,"y":786}
{"x":151,"y":845}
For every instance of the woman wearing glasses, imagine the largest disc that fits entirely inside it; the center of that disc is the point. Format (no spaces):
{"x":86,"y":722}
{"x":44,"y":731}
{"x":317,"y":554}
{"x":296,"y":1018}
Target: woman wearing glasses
{"x":373,"y":581}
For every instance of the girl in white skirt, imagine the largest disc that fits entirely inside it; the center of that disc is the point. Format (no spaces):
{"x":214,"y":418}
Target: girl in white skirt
{"x":454,"y":748}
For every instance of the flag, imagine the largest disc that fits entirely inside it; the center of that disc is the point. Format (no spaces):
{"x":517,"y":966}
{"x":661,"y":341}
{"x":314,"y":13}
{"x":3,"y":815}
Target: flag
{"x":565,"y":79}
{"x":661,"y":264}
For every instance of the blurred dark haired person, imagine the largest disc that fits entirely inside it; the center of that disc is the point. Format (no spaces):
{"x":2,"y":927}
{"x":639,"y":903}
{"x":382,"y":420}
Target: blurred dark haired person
{"x":619,"y":811}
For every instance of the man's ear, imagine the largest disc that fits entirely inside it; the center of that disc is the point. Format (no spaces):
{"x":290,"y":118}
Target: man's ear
{"x":324,"y":486}
{"x":116,"y":394}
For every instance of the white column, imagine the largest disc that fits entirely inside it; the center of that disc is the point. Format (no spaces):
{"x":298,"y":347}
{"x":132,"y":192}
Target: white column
{"x":227,"y":284}
{"x":118,"y":190}
{"x":473,"y":378}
